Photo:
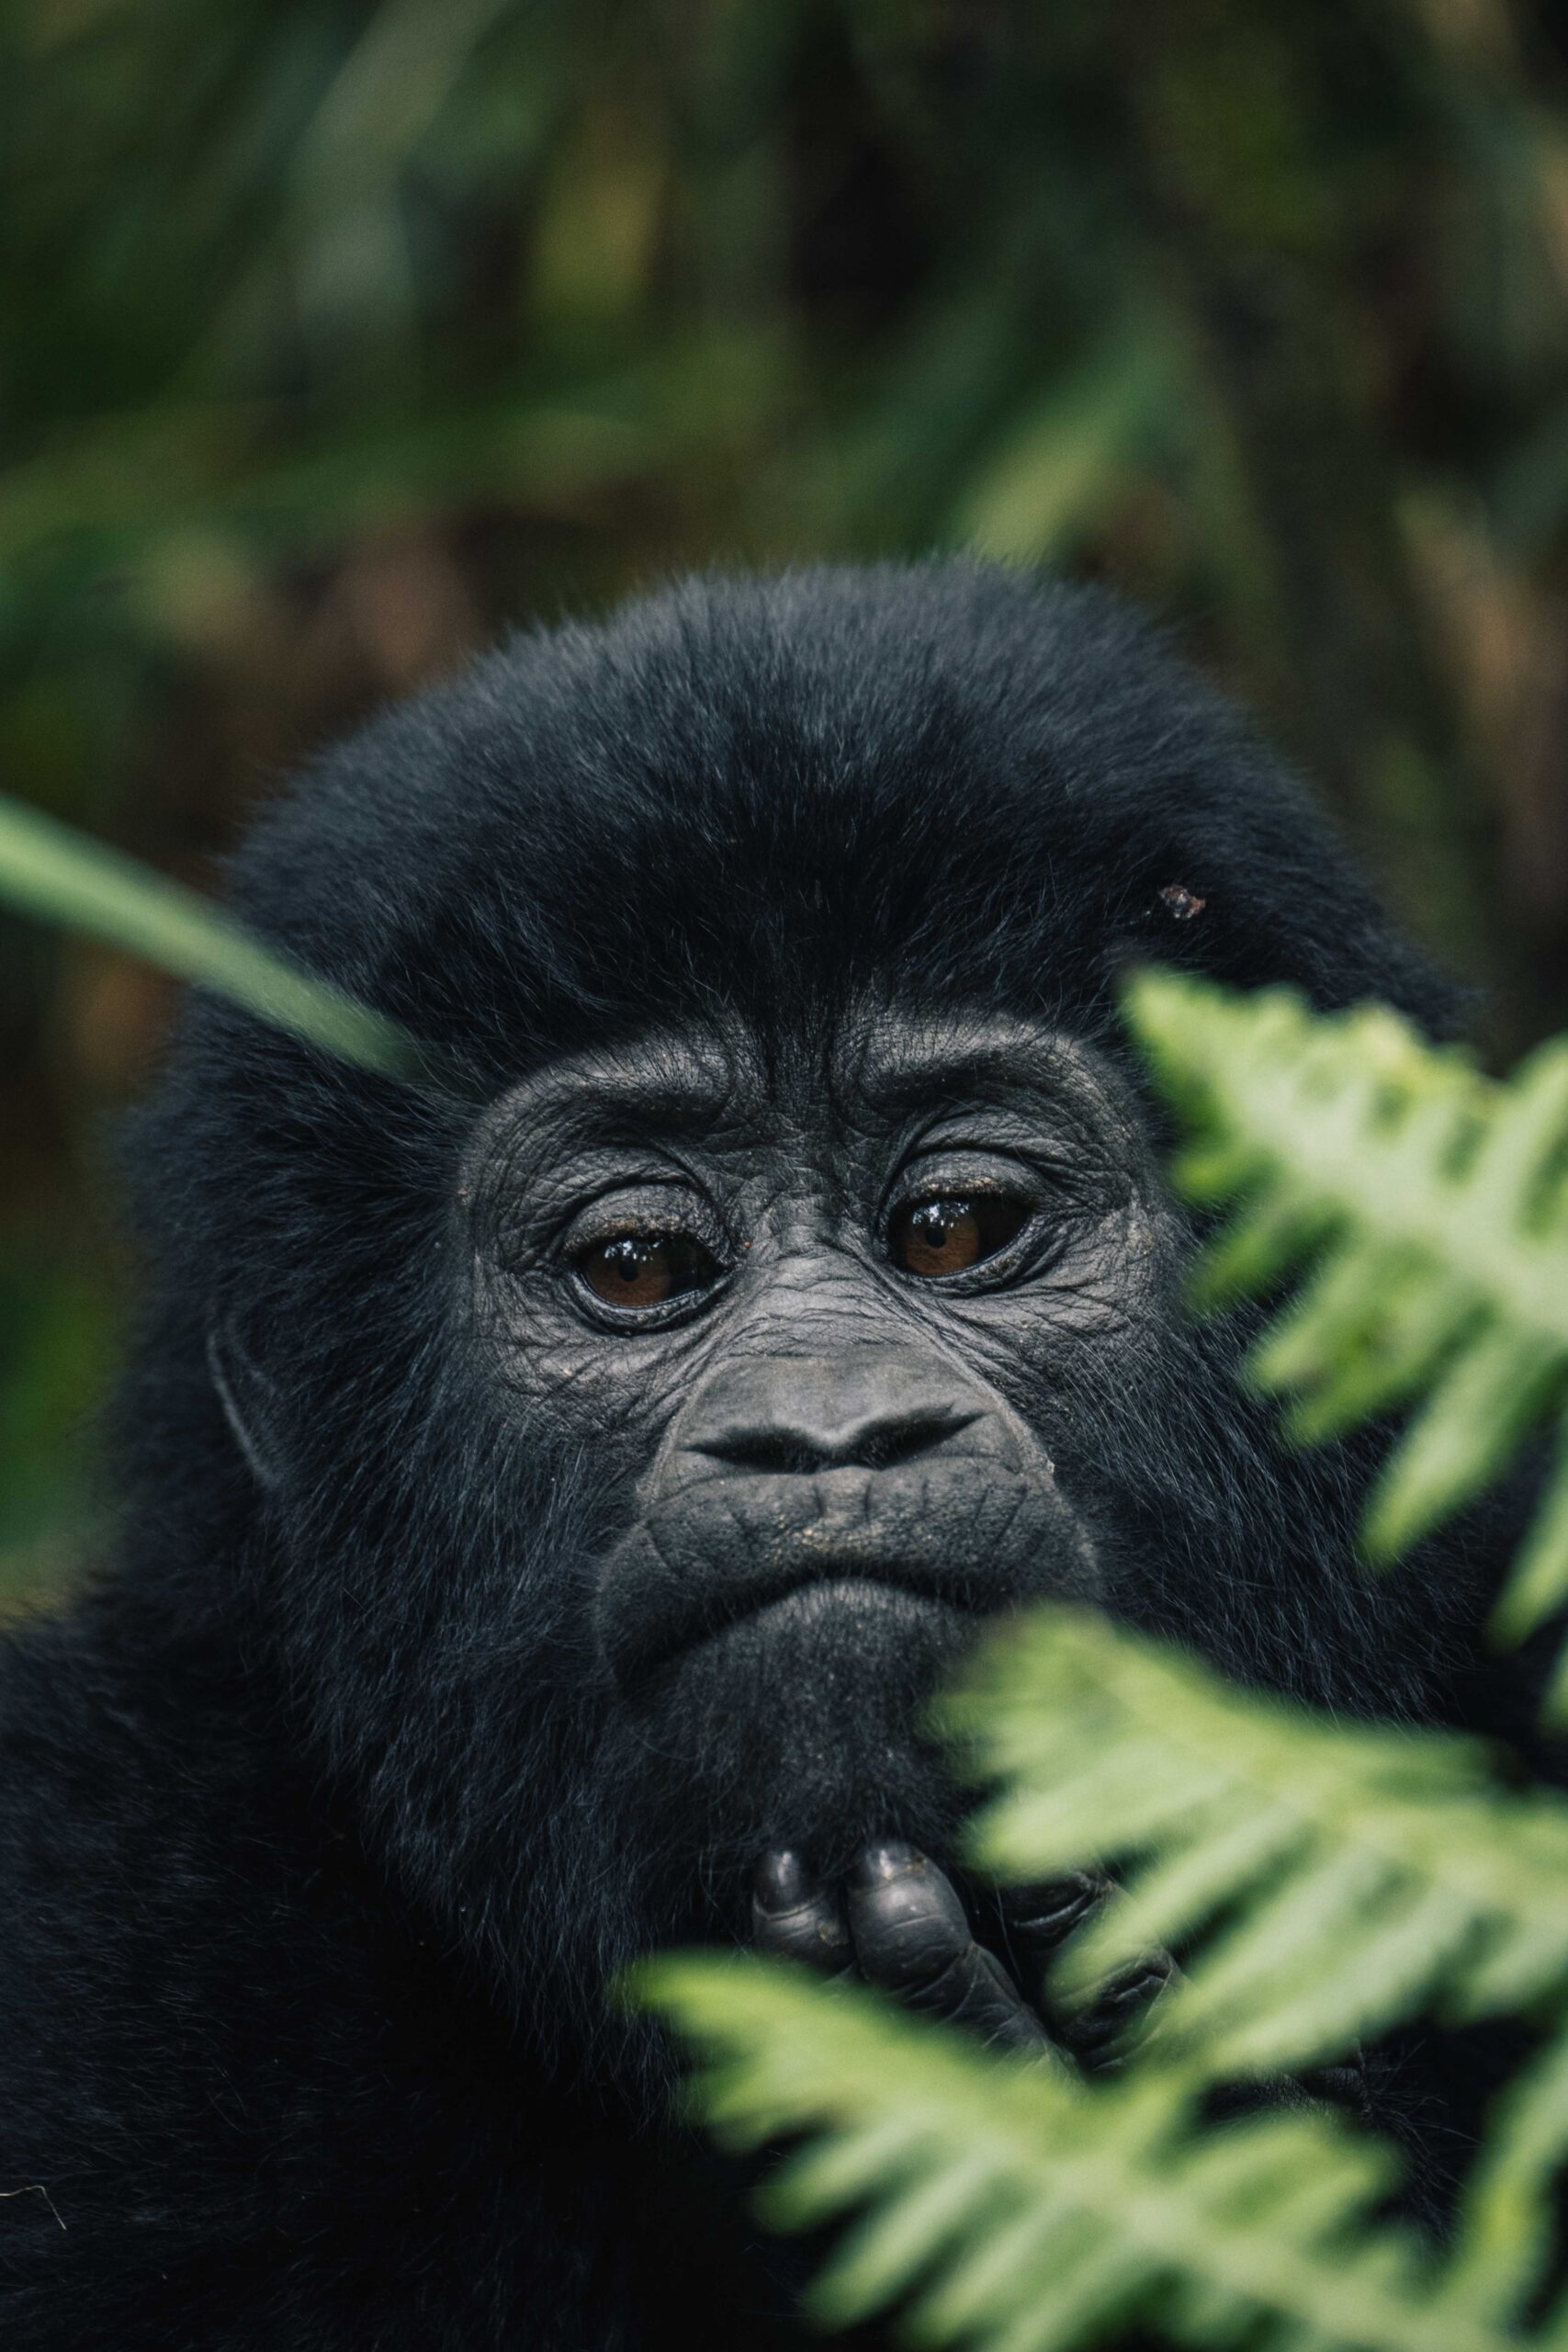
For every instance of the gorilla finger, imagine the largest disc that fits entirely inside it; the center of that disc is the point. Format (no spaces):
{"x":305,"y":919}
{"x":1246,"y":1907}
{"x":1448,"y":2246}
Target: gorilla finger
{"x":1037,"y":1920}
{"x":912,"y":1939}
{"x":1121,"y":2014}
{"x":794,"y":1915}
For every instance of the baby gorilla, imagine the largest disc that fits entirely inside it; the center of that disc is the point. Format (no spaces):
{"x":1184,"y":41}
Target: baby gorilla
{"x":552,"y":1490}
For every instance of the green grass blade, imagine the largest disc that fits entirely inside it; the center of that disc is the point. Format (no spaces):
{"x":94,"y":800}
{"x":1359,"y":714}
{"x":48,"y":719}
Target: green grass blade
{"x":49,"y":871}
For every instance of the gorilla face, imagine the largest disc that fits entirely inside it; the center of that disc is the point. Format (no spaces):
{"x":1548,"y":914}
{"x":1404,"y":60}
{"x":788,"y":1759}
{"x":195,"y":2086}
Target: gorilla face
{"x":772,"y":1366}
{"x":810,"y":1316}
{"x":634,"y":1444}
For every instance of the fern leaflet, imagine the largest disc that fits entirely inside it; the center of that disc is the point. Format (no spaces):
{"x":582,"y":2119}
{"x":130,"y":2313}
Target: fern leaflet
{"x":1010,"y":2207}
{"x":1343,"y":1876}
{"x":1428,"y":1209}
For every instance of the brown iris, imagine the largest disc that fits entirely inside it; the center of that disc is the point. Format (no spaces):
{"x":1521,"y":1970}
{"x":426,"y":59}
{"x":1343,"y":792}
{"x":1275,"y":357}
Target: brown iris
{"x":945,"y":1235}
{"x":644,"y":1269}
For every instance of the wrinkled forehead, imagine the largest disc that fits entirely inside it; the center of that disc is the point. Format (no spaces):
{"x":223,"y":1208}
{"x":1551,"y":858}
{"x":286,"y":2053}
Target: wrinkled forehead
{"x":877,"y":1065}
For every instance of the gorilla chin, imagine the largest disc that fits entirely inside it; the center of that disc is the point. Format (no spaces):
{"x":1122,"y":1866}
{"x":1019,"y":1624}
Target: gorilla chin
{"x":804,"y":1722}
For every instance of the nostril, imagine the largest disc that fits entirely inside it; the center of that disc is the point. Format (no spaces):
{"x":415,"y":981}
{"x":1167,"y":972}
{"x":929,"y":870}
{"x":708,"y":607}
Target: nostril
{"x":878,"y":1443}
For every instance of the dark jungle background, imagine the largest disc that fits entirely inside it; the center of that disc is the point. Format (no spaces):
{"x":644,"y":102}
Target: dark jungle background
{"x":335,"y":337}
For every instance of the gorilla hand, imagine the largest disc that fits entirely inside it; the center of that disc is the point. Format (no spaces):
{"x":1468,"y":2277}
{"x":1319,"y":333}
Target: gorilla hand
{"x":899,"y":1923}
{"x":1103,"y":2030}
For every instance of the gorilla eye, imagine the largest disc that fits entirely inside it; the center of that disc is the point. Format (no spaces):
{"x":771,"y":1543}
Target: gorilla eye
{"x":645,"y":1268}
{"x":948,"y":1233}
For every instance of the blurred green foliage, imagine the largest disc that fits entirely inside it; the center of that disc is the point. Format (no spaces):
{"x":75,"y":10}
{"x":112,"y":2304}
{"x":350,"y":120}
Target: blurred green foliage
{"x":334,"y":337}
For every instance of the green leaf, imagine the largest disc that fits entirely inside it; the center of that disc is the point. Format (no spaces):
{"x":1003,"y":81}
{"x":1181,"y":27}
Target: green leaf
{"x":1008,"y":2206}
{"x":1334,"y":1876}
{"x":48,"y":870}
{"x":1070,"y":454}
{"x":1426,"y":1208}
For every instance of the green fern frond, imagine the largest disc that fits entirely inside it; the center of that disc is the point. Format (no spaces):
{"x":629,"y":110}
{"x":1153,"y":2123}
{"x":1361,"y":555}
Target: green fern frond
{"x":1011,"y":2207}
{"x":1344,"y":1875}
{"x":1505,"y":2244}
{"x":1424,"y":1210}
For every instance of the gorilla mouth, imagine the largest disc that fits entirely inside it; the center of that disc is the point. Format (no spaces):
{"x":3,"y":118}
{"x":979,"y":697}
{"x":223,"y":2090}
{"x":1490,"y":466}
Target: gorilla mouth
{"x":882,"y":1592}
{"x":822,"y":1593}
{"x":940,"y":1541}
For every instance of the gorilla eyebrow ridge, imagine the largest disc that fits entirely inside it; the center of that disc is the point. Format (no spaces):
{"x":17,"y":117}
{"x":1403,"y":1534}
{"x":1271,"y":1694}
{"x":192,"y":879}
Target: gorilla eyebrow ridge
{"x":970,"y":1058}
{"x":609,"y":1092}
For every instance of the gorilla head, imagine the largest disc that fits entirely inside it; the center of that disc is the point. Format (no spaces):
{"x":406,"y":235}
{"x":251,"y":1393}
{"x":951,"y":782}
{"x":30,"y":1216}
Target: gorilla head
{"x":599,"y":1451}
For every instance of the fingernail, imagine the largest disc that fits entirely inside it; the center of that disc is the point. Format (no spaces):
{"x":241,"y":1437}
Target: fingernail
{"x":781,"y":1882}
{"x":878,"y":1865}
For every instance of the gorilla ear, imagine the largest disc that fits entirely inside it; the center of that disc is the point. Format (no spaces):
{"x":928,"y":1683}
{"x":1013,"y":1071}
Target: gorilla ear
{"x":250,"y":1402}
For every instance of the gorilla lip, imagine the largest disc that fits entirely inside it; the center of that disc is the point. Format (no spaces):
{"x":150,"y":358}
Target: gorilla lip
{"x":886,"y":1584}
{"x":818,"y":1589}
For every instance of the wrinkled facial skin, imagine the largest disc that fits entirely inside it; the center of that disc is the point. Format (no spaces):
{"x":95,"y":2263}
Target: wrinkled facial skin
{"x":810,"y":1324}
{"x":743,"y":1383}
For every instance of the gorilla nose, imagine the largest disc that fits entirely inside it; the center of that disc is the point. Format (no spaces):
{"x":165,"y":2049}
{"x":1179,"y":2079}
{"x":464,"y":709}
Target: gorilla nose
{"x":810,"y":1413}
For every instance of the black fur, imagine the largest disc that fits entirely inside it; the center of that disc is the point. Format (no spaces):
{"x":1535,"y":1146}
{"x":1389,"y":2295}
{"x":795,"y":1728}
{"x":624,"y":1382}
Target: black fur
{"x":313,"y":1865}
